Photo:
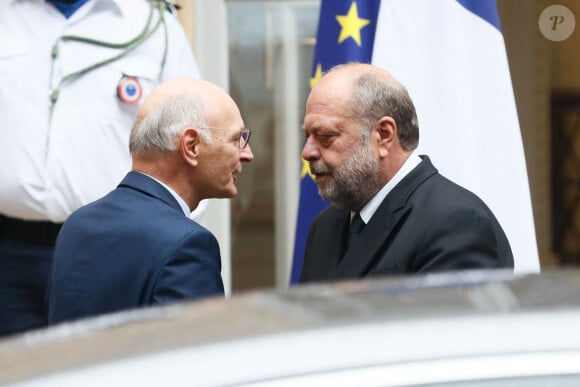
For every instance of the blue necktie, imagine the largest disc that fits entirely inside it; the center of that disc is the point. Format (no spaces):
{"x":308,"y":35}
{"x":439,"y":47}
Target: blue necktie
{"x":356,"y":226}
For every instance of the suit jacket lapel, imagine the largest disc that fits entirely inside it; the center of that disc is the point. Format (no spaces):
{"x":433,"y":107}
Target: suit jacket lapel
{"x":328,"y":248}
{"x":359,"y":258}
{"x":150,"y":187}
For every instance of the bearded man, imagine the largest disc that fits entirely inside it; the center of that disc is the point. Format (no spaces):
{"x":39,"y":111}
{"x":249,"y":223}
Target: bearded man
{"x":392,"y":212}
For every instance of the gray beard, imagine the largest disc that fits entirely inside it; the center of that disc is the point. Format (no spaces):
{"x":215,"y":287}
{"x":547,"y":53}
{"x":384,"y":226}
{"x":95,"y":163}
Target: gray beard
{"x":354,"y":183}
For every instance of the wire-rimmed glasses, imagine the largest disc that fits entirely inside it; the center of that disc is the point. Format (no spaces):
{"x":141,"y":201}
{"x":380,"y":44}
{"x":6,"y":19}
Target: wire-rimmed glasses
{"x":245,"y":134}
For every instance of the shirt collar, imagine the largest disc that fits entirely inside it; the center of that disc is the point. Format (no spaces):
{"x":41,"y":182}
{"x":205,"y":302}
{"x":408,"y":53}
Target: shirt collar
{"x":179,"y":199}
{"x":371,"y":207}
{"x":123,"y":6}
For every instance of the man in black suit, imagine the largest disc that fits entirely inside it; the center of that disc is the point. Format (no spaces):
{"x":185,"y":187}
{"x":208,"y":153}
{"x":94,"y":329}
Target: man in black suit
{"x":361,"y":131}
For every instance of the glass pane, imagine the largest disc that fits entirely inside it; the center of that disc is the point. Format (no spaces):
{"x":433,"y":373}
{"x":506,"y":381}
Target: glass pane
{"x":270,"y":47}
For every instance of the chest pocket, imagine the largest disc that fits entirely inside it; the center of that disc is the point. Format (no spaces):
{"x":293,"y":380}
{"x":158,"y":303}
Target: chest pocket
{"x":13,"y":54}
{"x":12,"y":48}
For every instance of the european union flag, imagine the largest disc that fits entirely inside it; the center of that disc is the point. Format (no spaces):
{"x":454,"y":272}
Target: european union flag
{"x":346,"y":33}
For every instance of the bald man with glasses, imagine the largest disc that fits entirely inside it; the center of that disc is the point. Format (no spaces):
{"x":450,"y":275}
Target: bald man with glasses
{"x":137,"y":246}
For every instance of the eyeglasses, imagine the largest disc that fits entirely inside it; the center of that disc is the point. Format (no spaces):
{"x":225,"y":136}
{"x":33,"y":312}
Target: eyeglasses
{"x":244,"y":138}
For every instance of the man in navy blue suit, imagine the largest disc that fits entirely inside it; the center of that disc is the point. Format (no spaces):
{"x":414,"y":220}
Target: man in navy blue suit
{"x":137,"y":246}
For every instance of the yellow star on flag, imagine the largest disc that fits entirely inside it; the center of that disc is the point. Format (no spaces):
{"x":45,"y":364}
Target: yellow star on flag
{"x":317,"y":76}
{"x":306,"y":170}
{"x":351,"y":25}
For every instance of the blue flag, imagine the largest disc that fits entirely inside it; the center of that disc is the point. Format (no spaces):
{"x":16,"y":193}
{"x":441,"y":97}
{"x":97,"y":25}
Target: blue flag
{"x":450,"y":55}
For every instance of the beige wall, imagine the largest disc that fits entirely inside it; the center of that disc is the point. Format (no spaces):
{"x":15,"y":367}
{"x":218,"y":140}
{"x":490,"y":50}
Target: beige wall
{"x":539,"y":68}
{"x":187,"y":19}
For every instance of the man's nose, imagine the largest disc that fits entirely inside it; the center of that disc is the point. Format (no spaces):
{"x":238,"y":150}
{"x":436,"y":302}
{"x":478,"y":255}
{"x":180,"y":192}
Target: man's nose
{"x":246,"y":154}
{"x":310,"y":150}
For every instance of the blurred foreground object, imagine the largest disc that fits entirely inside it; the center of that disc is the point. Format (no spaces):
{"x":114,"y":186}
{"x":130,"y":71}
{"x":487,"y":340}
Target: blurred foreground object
{"x":485,"y":327}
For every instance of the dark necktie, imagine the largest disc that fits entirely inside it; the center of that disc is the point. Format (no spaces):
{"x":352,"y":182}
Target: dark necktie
{"x":356,"y":226}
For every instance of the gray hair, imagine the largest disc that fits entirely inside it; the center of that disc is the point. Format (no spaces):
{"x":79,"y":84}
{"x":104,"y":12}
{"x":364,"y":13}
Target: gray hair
{"x":158,"y":131}
{"x":375,"y":96}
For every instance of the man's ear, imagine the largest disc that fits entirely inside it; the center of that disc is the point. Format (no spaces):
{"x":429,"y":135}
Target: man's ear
{"x":189,"y":145}
{"x":386,"y":129}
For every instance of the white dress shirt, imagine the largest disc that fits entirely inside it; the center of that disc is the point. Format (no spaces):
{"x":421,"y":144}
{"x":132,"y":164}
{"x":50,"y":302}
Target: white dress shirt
{"x":372,"y":206}
{"x":178,"y":199}
{"x":52,"y":164}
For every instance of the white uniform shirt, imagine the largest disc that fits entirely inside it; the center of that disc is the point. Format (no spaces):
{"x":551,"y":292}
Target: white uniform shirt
{"x":51,"y":165}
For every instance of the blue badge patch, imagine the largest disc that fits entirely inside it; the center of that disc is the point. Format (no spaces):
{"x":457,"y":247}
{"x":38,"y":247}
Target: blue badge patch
{"x":129,"y":90}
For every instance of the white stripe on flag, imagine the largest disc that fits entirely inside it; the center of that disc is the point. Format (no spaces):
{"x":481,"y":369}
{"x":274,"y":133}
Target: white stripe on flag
{"x":455,"y":68}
